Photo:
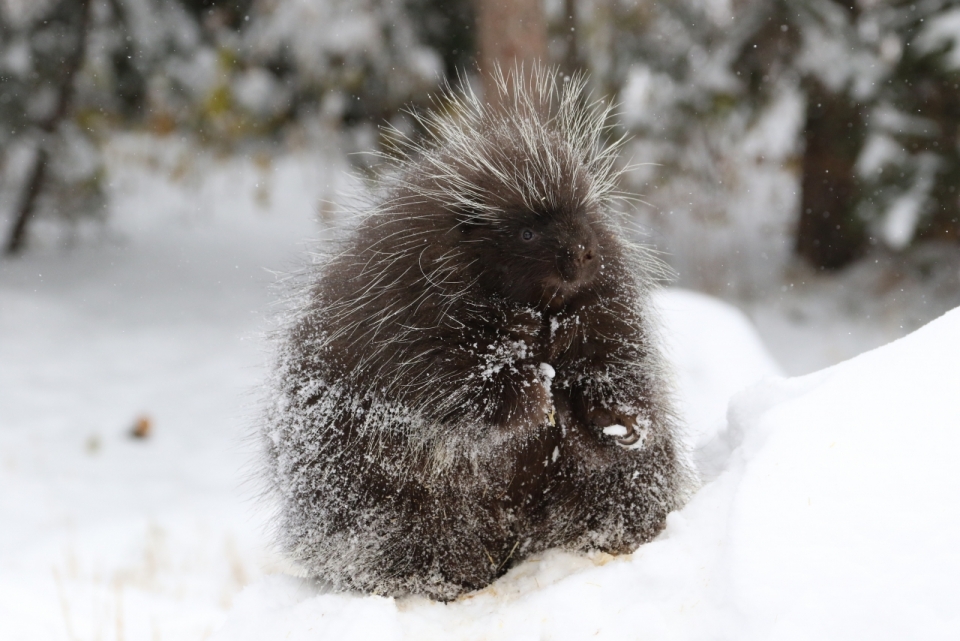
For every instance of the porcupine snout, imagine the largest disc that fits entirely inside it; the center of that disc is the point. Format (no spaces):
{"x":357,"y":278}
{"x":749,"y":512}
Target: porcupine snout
{"x":578,"y":259}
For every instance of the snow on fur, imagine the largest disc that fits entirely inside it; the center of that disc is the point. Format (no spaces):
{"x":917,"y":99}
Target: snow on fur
{"x":417,"y":441}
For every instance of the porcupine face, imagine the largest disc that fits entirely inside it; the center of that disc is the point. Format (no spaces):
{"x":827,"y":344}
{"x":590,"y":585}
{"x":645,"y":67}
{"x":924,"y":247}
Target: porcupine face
{"x":536,"y":257}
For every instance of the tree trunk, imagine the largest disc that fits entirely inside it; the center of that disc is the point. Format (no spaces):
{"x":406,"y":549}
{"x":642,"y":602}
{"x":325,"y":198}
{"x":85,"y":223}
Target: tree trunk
{"x":571,"y":54}
{"x":509,"y":32}
{"x":830,"y":234}
{"x":934,"y":91}
{"x":38,"y":173}
{"x":34,"y":184}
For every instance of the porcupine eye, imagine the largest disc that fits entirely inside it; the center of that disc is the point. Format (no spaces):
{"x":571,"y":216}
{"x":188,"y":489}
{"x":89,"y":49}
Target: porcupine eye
{"x":527,"y":235}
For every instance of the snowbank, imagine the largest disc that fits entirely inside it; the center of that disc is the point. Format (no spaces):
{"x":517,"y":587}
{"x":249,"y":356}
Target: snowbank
{"x":834,"y":515}
{"x":830,"y":508}
{"x":162,"y":314}
{"x":715,"y":352}
{"x":107,"y":537}
{"x":103,"y":536}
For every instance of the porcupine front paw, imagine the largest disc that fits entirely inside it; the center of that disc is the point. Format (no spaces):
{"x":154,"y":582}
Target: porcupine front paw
{"x":623,"y":428}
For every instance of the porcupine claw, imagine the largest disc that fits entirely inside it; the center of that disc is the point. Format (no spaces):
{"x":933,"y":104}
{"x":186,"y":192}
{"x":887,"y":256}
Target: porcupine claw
{"x":630,"y":439}
{"x":624,"y":435}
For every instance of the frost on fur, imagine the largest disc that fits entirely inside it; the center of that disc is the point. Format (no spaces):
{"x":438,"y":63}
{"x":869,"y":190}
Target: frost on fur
{"x":473,"y":376}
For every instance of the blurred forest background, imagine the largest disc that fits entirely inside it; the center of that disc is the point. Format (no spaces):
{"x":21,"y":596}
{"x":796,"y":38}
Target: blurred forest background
{"x":774,"y":142}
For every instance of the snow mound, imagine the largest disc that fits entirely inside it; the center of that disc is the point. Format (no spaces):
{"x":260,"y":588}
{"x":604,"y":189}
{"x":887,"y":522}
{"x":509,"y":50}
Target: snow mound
{"x":834,"y":515}
{"x":715,"y":352}
{"x":160,"y":316}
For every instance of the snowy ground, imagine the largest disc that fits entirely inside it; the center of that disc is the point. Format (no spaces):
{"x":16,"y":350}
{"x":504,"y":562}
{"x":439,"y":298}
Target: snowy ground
{"x":830,"y":511}
{"x":830,"y":508}
{"x":817,"y":320}
{"x":109,"y":537}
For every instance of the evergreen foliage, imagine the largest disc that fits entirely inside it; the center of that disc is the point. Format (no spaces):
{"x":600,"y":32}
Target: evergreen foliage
{"x":866,"y":96}
{"x":879,"y":86}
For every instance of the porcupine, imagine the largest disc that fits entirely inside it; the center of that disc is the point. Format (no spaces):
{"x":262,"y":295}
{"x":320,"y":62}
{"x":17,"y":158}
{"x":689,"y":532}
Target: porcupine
{"x":474,"y":376}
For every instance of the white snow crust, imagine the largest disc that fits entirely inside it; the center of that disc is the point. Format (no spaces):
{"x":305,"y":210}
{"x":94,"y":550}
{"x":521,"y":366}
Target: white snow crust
{"x":835,"y":516}
{"x":103,"y":536}
{"x":830,"y":507}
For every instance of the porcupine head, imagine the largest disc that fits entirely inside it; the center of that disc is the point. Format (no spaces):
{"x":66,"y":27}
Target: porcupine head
{"x":513,"y":205}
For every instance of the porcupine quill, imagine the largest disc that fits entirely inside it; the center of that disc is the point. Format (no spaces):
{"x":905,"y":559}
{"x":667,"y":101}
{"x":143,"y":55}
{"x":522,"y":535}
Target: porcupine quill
{"x":474,"y":376}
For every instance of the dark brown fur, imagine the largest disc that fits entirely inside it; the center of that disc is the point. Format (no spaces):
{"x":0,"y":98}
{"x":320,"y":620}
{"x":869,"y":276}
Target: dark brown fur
{"x":418,"y":446}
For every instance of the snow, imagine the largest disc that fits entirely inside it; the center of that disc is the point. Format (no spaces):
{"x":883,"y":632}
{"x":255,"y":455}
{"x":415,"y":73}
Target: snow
{"x":546,"y":369}
{"x":901,"y":221}
{"x":942,"y":31}
{"x":259,"y":92}
{"x":722,"y":206}
{"x":105,"y":536}
{"x":643,"y":92}
{"x":834,"y":516}
{"x":716,"y":352}
{"x":829,"y":507}
{"x":817,"y":319}
{"x":615,"y":430}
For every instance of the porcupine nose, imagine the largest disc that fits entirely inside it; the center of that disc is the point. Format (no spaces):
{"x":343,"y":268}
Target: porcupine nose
{"x":583,"y":256}
{"x":579,"y":263}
